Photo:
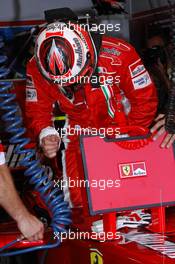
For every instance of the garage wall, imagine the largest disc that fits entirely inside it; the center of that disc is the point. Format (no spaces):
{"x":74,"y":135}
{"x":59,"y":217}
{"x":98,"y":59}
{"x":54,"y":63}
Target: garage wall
{"x":144,"y":5}
{"x":33,"y":9}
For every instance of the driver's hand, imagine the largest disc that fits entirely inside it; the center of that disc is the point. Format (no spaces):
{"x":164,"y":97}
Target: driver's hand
{"x":159,"y":129}
{"x":30,"y":227}
{"x":50,"y":145}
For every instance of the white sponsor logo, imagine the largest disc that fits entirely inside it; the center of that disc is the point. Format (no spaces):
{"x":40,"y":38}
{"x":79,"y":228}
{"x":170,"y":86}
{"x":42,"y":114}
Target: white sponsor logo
{"x":31,"y":95}
{"x":139,"y":69}
{"x":136,"y":68}
{"x":139,"y":172}
{"x":141,"y":81}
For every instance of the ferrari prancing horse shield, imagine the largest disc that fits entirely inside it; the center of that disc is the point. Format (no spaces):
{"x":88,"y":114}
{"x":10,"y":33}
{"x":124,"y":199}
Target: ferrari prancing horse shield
{"x":126,"y":169}
{"x":96,"y":257}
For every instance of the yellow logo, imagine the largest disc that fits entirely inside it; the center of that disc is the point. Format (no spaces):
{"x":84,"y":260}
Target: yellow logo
{"x":126,"y":170}
{"x":96,"y":257}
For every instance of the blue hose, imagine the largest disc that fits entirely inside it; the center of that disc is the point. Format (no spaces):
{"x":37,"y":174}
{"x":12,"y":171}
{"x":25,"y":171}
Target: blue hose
{"x":52,"y":196}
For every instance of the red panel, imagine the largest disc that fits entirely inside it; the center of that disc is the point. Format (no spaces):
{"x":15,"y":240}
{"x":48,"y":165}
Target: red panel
{"x":146,"y":175}
{"x":78,"y":252}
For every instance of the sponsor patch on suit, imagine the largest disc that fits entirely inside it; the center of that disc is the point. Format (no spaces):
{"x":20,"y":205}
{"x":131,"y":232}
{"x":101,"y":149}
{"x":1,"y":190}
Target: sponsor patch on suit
{"x":141,"y":81}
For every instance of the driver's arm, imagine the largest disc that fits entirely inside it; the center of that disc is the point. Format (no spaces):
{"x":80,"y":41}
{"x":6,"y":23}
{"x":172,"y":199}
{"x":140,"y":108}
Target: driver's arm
{"x":29,"y":225}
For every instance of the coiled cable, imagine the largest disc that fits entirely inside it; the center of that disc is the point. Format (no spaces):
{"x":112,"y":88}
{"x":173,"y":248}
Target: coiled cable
{"x":51,"y":195}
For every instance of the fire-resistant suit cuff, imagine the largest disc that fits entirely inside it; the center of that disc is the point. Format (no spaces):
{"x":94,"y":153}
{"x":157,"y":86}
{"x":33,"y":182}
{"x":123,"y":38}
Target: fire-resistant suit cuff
{"x":48,"y":131}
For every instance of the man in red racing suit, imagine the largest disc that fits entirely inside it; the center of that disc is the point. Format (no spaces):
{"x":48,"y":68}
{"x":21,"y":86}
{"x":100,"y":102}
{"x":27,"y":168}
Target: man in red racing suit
{"x":95,"y":107}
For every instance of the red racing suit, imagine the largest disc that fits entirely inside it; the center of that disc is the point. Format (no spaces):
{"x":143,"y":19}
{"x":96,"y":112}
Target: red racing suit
{"x":95,"y":107}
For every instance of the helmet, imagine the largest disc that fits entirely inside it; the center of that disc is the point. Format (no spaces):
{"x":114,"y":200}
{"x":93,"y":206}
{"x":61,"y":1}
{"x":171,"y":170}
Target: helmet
{"x":65,"y":52}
